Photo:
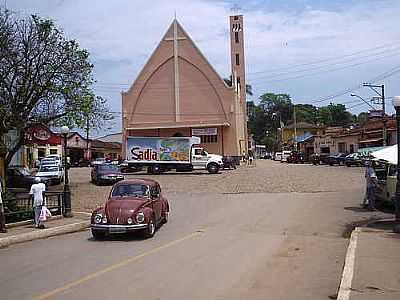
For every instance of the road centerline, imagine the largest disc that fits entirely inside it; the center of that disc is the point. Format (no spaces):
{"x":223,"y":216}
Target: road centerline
{"x":115,"y":266}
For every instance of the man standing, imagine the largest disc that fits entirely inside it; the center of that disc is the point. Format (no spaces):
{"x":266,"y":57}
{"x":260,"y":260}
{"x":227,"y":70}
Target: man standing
{"x":372,"y":183}
{"x":37,"y":192}
{"x":2,"y":217}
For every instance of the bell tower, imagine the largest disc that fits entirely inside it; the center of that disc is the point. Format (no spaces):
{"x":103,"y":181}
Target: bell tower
{"x":239,"y":79}
{"x":237,"y":55}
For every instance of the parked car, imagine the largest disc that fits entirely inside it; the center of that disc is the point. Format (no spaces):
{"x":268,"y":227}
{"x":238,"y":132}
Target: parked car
{"x":296,"y":157}
{"x":98,"y":161}
{"x":49,"y":161}
{"x":81,"y":163}
{"x":133,"y":205}
{"x":228,"y":162}
{"x":54,"y":173}
{"x":337,"y":159}
{"x":353,"y":159}
{"x":106,"y":173}
{"x":267,"y":156}
{"x":21,"y":177}
{"x":278,"y":156}
{"x":285,"y":155}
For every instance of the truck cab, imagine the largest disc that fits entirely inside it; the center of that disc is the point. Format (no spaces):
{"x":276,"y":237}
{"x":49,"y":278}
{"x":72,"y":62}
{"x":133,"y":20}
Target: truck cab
{"x":201,"y":159}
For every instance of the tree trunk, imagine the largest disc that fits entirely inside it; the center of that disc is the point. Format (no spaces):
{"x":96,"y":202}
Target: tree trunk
{"x":11,"y":152}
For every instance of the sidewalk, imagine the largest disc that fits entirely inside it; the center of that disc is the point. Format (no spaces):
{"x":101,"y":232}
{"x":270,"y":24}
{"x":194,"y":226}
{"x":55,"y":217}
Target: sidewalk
{"x":372,"y":268}
{"x":26,"y":231}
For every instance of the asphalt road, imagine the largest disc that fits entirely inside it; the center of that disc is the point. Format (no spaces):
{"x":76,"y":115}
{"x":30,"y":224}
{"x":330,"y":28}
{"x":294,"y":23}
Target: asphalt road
{"x":215,"y":246}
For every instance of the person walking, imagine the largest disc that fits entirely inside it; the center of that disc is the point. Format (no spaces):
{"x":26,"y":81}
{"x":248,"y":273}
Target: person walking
{"x":37,"y":193}
{"x":250,"y":155}
{"x":371,"y":183}
{"x":2,"y":217}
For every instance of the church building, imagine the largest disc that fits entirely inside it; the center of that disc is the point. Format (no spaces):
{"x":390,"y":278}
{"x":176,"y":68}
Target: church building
{"x":179,"y":93}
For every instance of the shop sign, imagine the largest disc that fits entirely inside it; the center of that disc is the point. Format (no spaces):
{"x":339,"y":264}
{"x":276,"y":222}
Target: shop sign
{"x":41,"y":134}
{"x":204,"y":131}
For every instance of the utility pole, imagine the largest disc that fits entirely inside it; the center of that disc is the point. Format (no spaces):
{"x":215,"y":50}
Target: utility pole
{"x":87,"y":139}
{"x":295,"y":128}
{"x":382,"y":96}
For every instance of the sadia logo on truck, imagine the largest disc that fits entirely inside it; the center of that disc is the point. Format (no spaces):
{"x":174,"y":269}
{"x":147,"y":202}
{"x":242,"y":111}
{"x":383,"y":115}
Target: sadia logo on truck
{"x":144,"y":154}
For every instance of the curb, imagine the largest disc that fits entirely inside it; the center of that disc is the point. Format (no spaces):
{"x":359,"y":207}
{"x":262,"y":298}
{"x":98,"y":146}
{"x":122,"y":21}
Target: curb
{"x":348,"y":270}
{"x":44,"y":233}
{"x":28,"y":222}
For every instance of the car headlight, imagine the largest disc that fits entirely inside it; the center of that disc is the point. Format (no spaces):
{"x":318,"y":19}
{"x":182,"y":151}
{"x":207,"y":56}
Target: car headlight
{"x":130,"y":221}
{"x":140,"y":217}
{"x":104,"y":220}
{"x":98,"y":218}
{"x":104,"y":176}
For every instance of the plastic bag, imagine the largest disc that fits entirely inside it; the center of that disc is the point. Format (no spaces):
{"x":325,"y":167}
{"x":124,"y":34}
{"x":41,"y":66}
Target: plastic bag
{"x":44,"y":214}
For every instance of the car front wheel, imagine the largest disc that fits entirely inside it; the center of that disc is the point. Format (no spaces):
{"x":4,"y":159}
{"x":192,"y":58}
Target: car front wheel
{"x":151,"y":229}
{"x":98,"y":235}
{"x":166,"y":217}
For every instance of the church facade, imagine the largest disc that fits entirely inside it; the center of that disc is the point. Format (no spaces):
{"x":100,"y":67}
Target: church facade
{"x":178,"y":93}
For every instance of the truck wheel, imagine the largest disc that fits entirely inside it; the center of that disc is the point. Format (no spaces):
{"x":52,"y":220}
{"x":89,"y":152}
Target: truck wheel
{"x":212,"y":168}
{"x":156,"y":169}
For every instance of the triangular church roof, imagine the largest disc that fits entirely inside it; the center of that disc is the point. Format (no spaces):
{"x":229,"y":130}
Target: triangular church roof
{"x":177,"y":84}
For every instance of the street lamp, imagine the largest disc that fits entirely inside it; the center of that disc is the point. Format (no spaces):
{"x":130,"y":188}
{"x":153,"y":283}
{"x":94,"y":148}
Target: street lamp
{"x":396,"y":104}
{"x":362,"y":99}
{"x":67,"y":193}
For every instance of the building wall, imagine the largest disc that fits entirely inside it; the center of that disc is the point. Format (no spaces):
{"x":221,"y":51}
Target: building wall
{"x":288,"y":133}
{"x":346,"y":141}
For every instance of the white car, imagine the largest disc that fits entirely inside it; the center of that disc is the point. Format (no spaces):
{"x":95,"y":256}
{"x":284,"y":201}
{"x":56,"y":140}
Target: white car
{"x":285,"y":155}
{"x":54,"y":172}
{"x":278,"y":156}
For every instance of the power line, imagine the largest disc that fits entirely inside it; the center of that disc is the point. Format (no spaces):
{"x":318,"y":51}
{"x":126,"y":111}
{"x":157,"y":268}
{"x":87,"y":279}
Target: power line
{"x":325,"y":60}
{"x":377,"y":55}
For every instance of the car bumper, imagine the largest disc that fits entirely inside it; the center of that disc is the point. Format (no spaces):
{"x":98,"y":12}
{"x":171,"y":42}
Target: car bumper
{"x":118,"y":228}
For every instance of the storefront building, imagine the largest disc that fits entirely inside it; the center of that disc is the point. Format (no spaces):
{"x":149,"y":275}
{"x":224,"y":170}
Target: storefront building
{"x":40,"y":142}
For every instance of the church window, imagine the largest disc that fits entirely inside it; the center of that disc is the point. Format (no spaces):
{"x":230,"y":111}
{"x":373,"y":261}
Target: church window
{"x":208,"y":139}
{"x":236,"y":37}
{"x":237,"y":59}
{"x":236,"y":17}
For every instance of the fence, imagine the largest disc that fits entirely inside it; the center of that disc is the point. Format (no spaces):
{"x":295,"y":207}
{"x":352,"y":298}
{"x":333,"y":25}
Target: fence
{"x":18,"y":206}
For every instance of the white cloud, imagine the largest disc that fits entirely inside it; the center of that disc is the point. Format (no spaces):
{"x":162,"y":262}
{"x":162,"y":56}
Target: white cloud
{"x":122,"y":34}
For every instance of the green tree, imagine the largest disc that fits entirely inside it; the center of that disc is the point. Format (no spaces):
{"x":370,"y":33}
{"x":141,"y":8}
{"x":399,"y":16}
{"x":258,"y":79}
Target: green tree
{"x":306,"y":113}
{"x":44,"y":78}
{"x":334,"y":115}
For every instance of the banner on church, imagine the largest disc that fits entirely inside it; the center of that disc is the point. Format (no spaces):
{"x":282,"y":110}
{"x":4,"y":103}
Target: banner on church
{"x":204,"y":131}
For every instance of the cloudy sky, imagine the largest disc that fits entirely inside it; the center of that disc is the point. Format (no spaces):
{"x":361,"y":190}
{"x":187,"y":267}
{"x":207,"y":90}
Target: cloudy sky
{"x":318,"y":51}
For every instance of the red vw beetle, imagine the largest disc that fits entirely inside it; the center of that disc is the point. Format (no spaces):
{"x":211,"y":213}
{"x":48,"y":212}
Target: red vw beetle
{"x":135,"y":204}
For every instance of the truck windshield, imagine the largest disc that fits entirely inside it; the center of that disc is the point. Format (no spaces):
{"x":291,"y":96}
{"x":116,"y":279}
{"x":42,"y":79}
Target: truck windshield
{"x":129,"y":190}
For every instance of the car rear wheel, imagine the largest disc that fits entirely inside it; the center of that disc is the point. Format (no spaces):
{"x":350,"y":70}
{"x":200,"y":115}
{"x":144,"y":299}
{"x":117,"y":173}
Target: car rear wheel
{"x":98,"y":235}
{"x":151,"y":229}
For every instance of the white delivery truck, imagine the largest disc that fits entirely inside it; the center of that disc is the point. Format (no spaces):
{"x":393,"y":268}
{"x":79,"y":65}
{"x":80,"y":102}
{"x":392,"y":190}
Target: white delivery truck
{"x":160,"y":155}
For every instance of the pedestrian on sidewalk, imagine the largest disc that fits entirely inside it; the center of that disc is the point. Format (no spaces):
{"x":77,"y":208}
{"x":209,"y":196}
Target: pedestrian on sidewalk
{"x":2,"y":217}
{"x":37,"y":192}
{"x":250,"y":157}
{"x":372,"y":184}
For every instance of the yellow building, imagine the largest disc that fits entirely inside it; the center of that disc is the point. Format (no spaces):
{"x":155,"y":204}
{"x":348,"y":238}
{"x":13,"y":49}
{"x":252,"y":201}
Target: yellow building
{"x":302,"y":129}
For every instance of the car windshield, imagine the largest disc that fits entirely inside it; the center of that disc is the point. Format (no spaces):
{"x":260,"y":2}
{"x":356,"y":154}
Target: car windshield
{"x":24,"y":171}
{"x":48,"y":168}
{"x":109,"y":168}
{"x":129,"y":190}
